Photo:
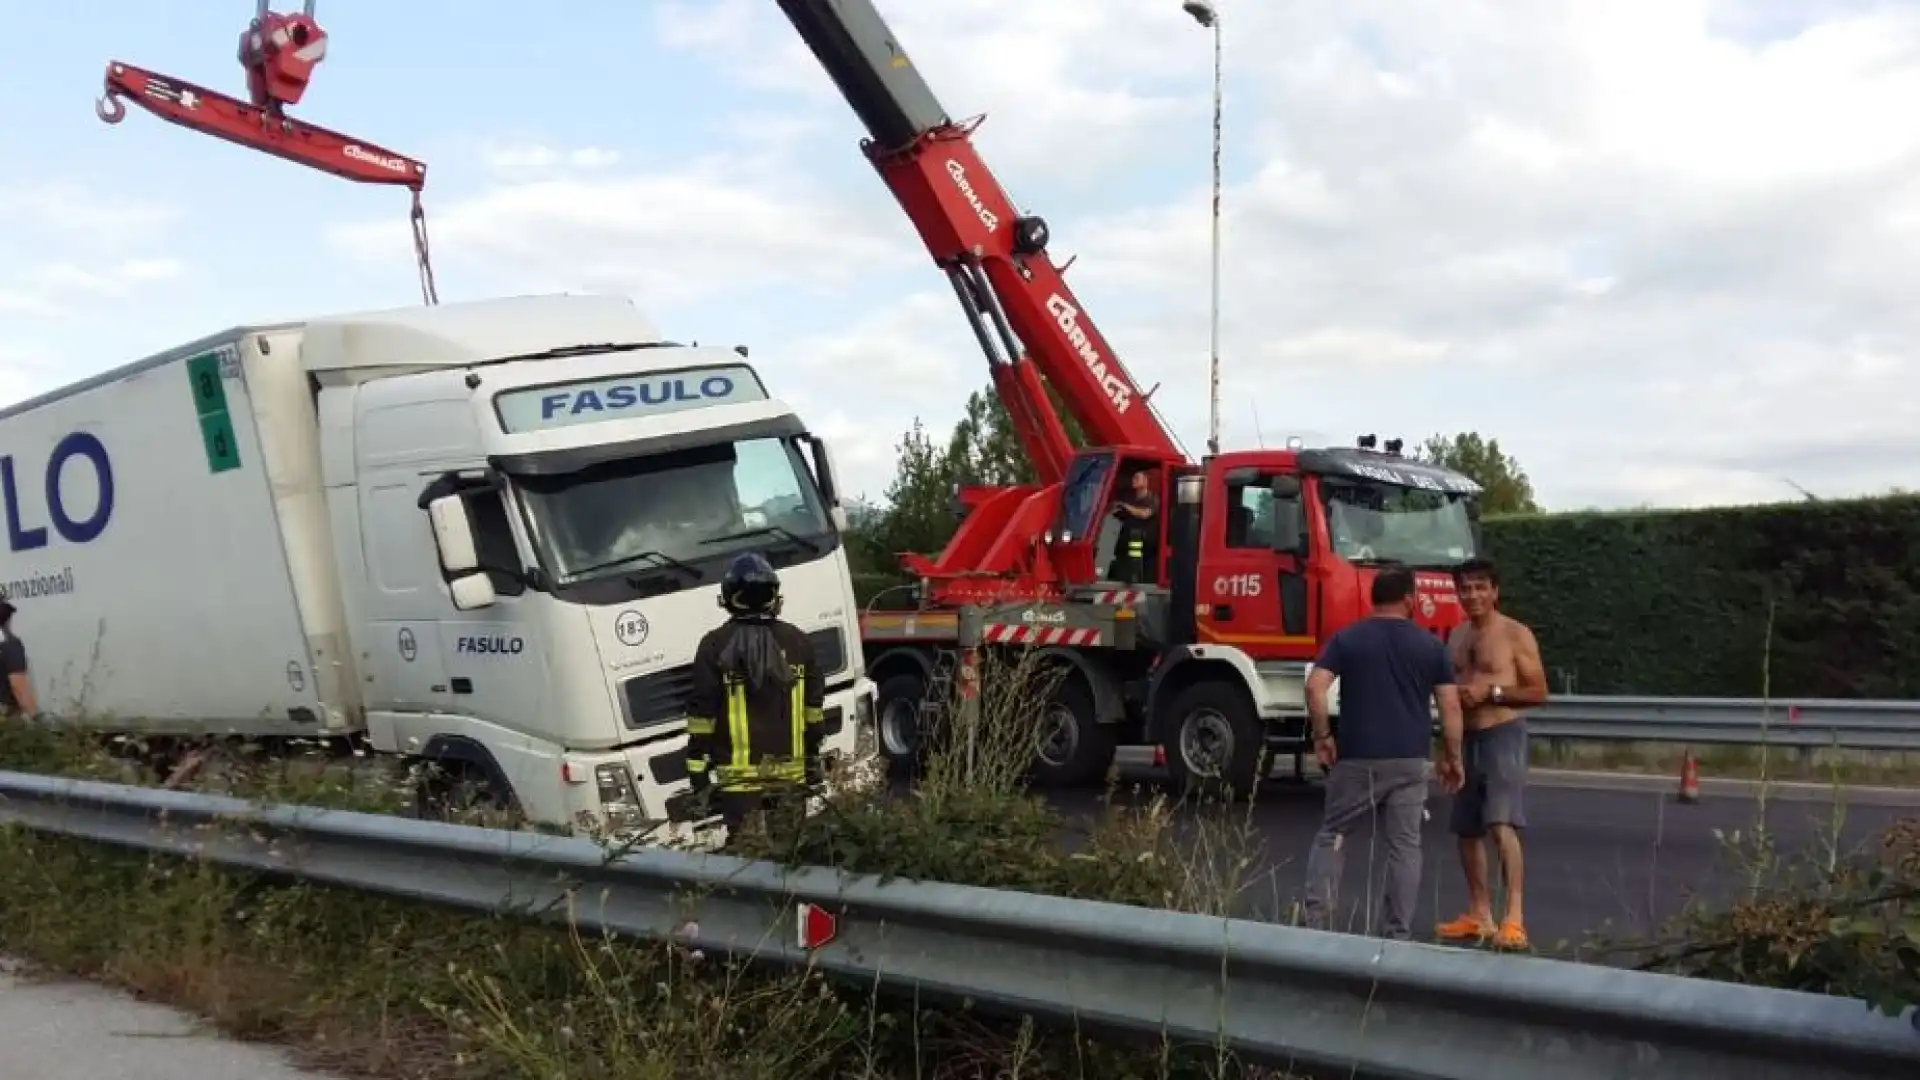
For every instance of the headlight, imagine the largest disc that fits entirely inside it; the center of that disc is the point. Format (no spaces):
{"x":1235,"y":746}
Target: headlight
{"x":619,"y":798}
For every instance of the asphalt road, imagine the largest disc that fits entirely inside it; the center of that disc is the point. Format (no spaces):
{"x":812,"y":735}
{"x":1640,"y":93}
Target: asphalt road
{"x":79,"y":1031}
{"x":1612,"y":861}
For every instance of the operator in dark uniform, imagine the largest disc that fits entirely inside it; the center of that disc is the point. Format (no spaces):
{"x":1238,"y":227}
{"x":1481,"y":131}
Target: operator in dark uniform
{"x":753,"y":720}
{"x":1139,"y":514}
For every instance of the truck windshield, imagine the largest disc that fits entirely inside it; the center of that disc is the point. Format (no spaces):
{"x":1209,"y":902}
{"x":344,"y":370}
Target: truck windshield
{"x":1371,"y":522}
{"x":674,"y":511}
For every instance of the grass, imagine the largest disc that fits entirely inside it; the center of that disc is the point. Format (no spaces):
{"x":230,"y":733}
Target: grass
{"x":382,"y":988}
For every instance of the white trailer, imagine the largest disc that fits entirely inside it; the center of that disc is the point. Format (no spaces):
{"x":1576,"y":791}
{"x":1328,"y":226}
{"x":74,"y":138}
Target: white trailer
{"x":486,"y":534}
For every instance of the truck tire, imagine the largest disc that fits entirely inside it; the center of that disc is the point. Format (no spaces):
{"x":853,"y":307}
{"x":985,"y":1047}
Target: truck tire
{"x":896,"y":720}
{"x":1215,"y":744}
{"x":459,"y":792}
{"x":1074,"y":746}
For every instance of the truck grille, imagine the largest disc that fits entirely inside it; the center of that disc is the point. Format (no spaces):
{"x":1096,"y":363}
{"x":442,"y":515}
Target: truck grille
{"x":660,"y":698}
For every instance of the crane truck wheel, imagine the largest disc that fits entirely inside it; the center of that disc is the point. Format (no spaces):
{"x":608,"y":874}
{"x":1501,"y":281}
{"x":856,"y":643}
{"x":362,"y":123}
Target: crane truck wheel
{"x":1074,"y":746}
{"x":1215,"y":744}
{"x":897,"y":717}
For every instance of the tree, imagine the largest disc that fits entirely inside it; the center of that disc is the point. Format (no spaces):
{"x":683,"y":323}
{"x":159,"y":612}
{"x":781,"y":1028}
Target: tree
{"x":984,"y":449}
{"x":1507,"y":489}
{"x":919,"y":513}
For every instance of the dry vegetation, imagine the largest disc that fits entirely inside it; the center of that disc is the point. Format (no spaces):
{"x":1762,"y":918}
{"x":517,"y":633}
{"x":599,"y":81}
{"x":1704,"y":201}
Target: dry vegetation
{"x":382,"y":988}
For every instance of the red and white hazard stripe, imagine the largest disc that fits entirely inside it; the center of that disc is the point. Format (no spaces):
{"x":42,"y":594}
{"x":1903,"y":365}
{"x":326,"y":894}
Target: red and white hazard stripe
{"x":1015,"y":634}
{"x":1118,"y":596}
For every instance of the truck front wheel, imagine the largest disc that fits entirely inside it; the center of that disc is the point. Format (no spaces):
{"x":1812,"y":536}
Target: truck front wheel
{"x":456,"y":791}
{"x":1214,"y":742}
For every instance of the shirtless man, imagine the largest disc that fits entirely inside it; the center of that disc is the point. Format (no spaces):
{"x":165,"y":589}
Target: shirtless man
{"x":1499,"y":668}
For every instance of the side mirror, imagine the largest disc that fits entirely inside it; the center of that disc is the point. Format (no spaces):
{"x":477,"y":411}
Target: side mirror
{"x":472,"y":591}
{"x":824,"y":472}
{"x":453,"y":535}
{"x":838,"y":514}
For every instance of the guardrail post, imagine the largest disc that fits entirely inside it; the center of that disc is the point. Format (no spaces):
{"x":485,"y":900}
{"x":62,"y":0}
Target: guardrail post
{"x":969,"y":679}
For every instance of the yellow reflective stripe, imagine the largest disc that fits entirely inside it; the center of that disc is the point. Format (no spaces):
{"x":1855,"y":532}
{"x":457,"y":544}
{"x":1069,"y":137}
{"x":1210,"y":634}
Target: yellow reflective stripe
{"x":698,"y":764}
{"x":771,"y":772}
{"x":814,"y":716}
{"x":699,"y":725}
{"x":737,"y":731}
{"x":797,"y":715}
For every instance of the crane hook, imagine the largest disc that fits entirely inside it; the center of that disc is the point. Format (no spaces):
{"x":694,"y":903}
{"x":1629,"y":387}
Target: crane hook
{"x":108,"y":107}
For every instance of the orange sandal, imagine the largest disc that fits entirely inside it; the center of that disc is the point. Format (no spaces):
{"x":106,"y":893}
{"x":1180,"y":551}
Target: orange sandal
{"x":1511,"y":936}
{"x":1468,"y":927}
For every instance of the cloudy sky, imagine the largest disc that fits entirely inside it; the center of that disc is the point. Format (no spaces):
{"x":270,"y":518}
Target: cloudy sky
{"x":1667,"y":251}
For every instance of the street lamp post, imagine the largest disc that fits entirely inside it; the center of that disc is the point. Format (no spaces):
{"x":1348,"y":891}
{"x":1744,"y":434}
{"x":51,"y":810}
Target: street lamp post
{"x":1208,"y":16}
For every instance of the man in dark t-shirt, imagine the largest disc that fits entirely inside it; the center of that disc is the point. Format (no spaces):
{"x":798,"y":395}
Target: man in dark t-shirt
{"x":16,"y":689}
{"x":1390,"y":670}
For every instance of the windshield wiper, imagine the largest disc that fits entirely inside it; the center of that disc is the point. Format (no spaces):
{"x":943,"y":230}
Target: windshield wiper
{"x":663,"y":558}
{"x":768,"y":530}
{"x":590,"y":350}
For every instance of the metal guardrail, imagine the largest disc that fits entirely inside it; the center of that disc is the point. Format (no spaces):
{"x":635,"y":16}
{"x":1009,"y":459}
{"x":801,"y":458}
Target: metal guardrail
{"x":1809,"y":723}
{"x":1294,"y":998}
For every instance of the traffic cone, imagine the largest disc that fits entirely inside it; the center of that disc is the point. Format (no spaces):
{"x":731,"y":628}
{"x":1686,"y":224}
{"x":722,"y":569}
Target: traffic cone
{"x":1689,"y":778}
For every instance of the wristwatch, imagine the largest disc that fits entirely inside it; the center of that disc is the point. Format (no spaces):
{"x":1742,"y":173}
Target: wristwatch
{"x":1499,"y":695}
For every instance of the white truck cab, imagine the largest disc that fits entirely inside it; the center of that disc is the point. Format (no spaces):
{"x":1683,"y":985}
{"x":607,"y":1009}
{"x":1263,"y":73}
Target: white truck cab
{"x":542,"y":537}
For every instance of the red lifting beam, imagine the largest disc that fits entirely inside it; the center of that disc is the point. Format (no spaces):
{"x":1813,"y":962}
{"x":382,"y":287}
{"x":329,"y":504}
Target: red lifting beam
{"x":279,"y":52}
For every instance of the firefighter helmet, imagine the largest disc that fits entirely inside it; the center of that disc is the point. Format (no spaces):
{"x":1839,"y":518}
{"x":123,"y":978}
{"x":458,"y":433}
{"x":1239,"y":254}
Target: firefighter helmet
{"x":750,"y":586}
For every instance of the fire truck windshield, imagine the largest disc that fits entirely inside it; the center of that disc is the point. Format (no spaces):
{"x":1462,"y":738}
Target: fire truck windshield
{"x":1370,"y":521}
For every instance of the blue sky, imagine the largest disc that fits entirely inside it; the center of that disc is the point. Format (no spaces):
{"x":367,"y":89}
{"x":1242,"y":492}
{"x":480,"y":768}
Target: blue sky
{"x":1652,"y":246}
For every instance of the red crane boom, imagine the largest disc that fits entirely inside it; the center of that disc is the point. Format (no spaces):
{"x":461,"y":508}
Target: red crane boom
{"x":1033,"y":330}
{"x":279,"y":52}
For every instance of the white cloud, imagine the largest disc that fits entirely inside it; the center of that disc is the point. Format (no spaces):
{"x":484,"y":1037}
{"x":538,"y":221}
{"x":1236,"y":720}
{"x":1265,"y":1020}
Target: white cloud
{"x":720,"y":226}
{"x":81,"y":214}
{"x":1664,"y":250}
{"x":68,"y":252}
{"x":536,"y":158}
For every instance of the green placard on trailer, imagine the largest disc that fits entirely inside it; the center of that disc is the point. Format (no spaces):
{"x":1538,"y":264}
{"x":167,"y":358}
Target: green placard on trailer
{"x":223,"y":450}
{"x":209,"y":391}
{"x":210,"y":406}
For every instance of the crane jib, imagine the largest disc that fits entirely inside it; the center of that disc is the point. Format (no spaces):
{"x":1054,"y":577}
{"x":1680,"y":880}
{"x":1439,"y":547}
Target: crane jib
{"x":853,"y":43}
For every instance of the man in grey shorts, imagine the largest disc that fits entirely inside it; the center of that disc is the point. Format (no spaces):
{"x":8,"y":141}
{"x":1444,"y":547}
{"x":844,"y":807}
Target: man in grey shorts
{"x":1390,"y":671}
{"x":1498,"y":661}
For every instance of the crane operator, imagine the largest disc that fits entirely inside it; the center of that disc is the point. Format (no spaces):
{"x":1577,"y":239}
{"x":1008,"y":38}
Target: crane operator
{"x":754,"y":718}
{"x":1138,"y":512}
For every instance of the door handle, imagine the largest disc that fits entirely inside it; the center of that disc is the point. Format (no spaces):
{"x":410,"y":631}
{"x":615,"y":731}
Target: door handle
{"x":1223,"y":611}
{"x":462,"y":686}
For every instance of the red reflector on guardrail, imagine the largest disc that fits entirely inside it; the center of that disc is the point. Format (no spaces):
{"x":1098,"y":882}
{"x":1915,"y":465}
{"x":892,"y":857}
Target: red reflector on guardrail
{"x":817,"y":926}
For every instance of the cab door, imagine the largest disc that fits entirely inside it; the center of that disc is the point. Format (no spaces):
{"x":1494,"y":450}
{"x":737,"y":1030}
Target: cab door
{"x":1254,"y":589}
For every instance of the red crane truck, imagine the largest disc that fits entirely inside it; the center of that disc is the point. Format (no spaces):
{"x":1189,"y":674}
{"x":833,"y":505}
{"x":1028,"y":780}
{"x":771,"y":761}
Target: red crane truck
{"x":1255,"y":559}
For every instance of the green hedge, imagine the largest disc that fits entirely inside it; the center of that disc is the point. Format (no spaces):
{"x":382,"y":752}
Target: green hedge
{"x":1676,"y":602}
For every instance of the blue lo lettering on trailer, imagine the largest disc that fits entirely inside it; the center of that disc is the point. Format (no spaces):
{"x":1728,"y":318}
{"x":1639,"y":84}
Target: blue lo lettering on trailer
{"x":627,"y":397}
{"x":489,"y":646}
{"x":76,"y":522}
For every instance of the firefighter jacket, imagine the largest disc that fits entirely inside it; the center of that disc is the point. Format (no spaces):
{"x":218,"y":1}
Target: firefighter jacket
{"x":744,"y":735}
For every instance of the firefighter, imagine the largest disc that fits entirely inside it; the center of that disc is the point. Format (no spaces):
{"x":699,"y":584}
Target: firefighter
{"x":1138,"y":512}
{"x":753,"y":727}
